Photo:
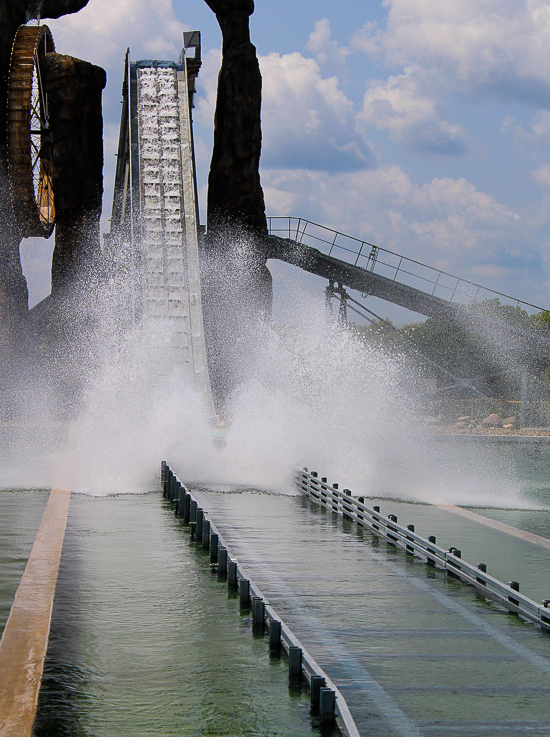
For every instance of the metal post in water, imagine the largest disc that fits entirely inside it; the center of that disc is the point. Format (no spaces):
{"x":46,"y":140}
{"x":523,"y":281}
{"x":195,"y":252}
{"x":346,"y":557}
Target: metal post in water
{"x":327,"y":704}
{"x":294,"y":662}
{"x":180,"y":493}
{"x":187,"y":508}
{"x":184,"y":496}
{"x":244,"y":592}
{"x":258,"y":610}
{"x":200,"y":518}
{"x":222,"y":561}
{"x":410,"y":548}
{"x":232,"y":574}
{"x":193,"y":510}
{"x":205,"y":533}
{"x":171,"y":488}
{"x":213,"y":547}
{"x":274,"y":634}
{"x":317,"y":683}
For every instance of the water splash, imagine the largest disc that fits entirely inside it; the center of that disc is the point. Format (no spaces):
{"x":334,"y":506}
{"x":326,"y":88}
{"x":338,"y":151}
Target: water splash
{"x":313,"y":394}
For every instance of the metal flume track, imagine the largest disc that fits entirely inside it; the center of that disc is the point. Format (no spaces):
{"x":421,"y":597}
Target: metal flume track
{"x":380,"y":273}
{"x":155,"y":222}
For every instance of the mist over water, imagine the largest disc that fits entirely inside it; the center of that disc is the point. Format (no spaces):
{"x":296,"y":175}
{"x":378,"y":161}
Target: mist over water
{"x":313,"y":395}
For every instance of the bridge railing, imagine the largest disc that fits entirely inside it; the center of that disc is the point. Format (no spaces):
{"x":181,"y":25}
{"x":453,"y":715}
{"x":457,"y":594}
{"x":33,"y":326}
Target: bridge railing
{"x":426,"y":549}
{"x":386,"y":263}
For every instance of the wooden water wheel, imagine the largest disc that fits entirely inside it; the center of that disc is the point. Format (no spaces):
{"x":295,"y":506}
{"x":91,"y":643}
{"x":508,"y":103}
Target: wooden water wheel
{"x":28,"y":140}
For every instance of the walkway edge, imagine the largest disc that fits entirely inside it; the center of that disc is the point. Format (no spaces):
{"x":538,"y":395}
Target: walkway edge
{"x":25,"y":640}
{"x":531,"y":537}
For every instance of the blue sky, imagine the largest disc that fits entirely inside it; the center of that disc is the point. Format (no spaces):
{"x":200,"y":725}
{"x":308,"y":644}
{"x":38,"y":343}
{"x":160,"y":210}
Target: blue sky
{"x":420,"y":125}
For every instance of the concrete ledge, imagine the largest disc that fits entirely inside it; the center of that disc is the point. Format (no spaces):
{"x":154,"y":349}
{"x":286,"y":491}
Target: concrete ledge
{"x":481,"y":438}
{"x":25,"y":639}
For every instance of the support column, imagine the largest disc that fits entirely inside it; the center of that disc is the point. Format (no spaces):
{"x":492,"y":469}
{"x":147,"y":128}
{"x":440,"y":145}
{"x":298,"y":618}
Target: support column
{"x":237,"y":284}
{"x":74,"y":90}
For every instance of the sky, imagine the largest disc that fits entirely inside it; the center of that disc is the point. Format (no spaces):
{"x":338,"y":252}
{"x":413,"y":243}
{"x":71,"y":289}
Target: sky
{"x":422,"y":126}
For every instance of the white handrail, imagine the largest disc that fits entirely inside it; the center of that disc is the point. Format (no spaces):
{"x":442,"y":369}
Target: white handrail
{"x":425,"y":549}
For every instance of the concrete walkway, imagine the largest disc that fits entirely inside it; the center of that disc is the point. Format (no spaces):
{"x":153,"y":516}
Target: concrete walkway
{"x":25,"y":638}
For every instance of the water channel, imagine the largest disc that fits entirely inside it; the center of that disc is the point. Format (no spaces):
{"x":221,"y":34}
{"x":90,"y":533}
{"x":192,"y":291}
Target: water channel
{"x":146,"y":641}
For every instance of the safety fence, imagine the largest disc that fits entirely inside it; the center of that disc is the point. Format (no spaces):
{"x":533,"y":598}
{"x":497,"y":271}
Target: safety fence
{"x":327,"y":703}
{"x":405,"y":538}
{"x":386,"y":263}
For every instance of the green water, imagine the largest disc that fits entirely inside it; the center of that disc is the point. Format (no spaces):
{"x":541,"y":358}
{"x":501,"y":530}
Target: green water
{"x":414,"y":652}
{"x":147,"y":641}
{"x":20,"y":515}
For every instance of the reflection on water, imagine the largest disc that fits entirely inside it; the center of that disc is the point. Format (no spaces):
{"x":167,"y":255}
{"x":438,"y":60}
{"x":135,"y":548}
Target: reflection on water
{"x":146,"y":641}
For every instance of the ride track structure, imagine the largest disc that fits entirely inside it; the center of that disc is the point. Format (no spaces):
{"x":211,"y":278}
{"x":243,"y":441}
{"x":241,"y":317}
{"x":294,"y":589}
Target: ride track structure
{"x":28,"y":140}
{"x":154,"y":225}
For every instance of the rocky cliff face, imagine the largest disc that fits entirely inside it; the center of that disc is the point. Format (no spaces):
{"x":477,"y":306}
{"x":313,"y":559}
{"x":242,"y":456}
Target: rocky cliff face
{"x":74,"y":94}
{"x":237,"y":283}
{"x":13,"y":285}
{"x":234,"y":191}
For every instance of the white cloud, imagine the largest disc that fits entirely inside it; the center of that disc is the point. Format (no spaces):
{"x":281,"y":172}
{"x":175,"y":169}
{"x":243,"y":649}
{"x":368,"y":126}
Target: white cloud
{"x":436,"y":222}
{"x":541,"y":124}
{"x":542,"y":175}
{"x":400,"y":107}
{"x":307,"y":120}
{"x":207,"y":85}
{"x":102,"y":30}
{"x":490,"y":271}
{"x":500,"y":47}
{"x":463,"y":216}
{"x":326,"y":49}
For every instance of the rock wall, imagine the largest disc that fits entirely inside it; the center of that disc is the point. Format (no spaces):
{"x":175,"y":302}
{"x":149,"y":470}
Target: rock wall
{"x":237,"y":285}
{"x":234,"y":191}
{"x":13,"y":285}
{"x":74,"y":93}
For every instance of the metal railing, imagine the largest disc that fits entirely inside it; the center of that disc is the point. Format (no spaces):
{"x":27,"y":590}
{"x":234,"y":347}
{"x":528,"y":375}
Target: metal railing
{"x":326,"y":699}
{"x":427,"y":550}
{"x":394,"y":266}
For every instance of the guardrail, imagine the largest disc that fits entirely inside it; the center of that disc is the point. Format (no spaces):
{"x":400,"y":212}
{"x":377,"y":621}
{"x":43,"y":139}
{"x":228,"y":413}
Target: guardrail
{"x":386,"y":263}
{"x":405,"y":538}
{"x":326,"y":700}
